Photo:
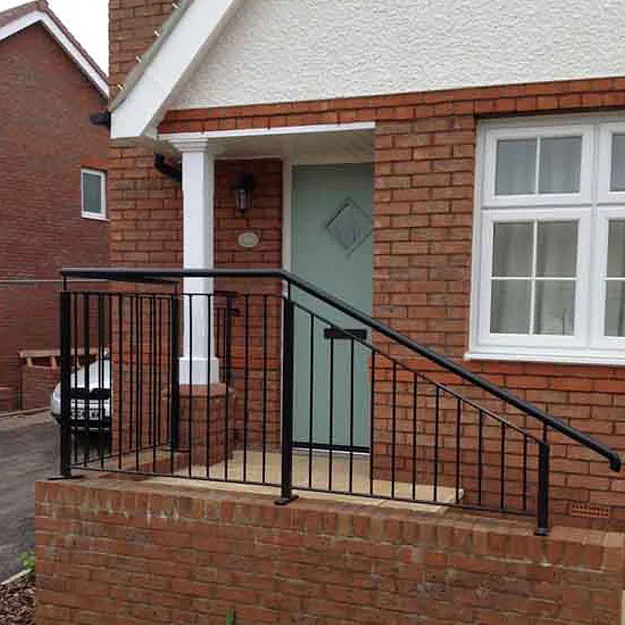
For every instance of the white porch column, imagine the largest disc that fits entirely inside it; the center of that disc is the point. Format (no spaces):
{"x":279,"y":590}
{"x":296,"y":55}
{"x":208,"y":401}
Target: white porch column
{"x":198,"y":187}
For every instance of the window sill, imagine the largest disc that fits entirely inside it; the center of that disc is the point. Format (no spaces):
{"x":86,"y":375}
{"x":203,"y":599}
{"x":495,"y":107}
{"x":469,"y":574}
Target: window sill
{"x":94,"y":217}
{"x":547,"y":356}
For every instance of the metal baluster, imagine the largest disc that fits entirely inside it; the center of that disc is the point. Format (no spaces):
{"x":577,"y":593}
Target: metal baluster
{"x":288,"y":361}
{"x":436,"y":437}
{"x":524,"y":472}
{"x":351,"y":416}
{"x":372,"y":426}
{"x":311,"y":400}
{"x":87,"y":358}
{"x":120,"y":389}
{"x":66,"y":383}
{"x":394,"y":431}
{"x":480,"y":444}
{"x":246,"y":383}
{"x":100,"y":378}
{"x":190,"y":389}
{"x":542,"y":504}
{"x":458,"y":427}
{"x":331,"y":414}
{"x":415,"y":393}
{"x":502,"y":477}
{"x":265,"y":351}
{"x":209,"y":340}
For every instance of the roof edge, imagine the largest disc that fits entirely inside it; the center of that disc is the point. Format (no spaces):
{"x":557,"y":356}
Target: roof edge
{"x":40,"y":12}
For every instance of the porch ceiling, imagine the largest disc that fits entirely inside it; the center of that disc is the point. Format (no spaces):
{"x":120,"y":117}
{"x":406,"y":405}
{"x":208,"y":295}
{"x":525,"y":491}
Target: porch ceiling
{"x":299,"y":145}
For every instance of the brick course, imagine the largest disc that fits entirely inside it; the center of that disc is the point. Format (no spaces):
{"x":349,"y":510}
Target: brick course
{"x":134,"y":553}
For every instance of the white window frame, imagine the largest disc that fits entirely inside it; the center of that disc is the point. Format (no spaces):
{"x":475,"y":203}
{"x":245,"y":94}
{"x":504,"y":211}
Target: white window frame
{"x":605,"y":156}
{"x":537,"y":199}
{"x":102,"y":176}
{"x":592,"y":207}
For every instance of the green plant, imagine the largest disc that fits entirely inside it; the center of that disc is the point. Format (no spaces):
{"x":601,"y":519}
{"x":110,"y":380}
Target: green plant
{"x":231,"y":617}
{"x":28,"y":561}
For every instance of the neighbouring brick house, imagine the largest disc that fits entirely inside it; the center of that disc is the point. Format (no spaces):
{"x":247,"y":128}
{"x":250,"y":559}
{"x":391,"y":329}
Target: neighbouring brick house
{"x":457,"y":171}
{"x":49,"y":86}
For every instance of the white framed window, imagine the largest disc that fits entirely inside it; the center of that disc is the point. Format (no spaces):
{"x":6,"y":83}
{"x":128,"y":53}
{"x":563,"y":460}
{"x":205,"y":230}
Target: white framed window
{"x":93,"y":193}
{"x":549,"y":241}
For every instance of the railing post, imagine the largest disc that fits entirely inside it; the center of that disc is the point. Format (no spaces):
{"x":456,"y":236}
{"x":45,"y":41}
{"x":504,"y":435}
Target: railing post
{"x":66,"y":374}
{"x":542,"y":504}
{"x":228,"y":341}
{"x":174,"y":368}
{"x":288,"y":339}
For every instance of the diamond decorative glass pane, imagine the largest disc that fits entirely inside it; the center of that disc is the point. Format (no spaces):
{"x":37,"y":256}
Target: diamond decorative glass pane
{"x":616,"y":249}
{"x":91,"y":193}
{"x":617,"y":176}
{"x":512,"y":249}
{"x":557,"y":249}
{"x":555,"y":307}
{"x":516,"y":167}
{"x":350,"y":225}
{"x":560,"y":164}
{"x":510,"y":307}
{"x":615,"y":309}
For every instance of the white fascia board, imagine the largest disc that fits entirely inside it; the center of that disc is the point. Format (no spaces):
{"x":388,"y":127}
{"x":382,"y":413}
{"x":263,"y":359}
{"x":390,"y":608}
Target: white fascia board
{"x":198,"y":141}
{"x":177,"y":58}
{"x":79,"y":58}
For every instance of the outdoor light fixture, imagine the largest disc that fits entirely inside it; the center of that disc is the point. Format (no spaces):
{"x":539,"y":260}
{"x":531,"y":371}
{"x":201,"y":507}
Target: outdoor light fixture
{"x":243,"y":190}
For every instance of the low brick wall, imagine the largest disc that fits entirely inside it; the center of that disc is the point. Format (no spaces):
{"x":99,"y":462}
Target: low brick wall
{"x":37,"y":385}
{"x":112,"y":551}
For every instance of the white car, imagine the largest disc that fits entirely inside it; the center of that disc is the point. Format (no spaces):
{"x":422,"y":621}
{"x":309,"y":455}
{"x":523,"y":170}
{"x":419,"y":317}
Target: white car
{"x":89,"y":410}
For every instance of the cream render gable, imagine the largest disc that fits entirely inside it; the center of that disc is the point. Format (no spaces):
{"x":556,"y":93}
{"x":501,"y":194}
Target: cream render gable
{"x":233,"y":52}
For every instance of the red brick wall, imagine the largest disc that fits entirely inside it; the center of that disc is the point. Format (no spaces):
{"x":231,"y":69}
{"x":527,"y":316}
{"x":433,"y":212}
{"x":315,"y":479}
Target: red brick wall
{"x":45,"y":138}
{"x":37,"y":385}
{"x":142,"y":554}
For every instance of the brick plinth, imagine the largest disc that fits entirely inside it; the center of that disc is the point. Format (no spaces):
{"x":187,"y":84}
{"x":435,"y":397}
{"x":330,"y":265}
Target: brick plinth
{"x":145,"y":553}
{"x":211,"y":424}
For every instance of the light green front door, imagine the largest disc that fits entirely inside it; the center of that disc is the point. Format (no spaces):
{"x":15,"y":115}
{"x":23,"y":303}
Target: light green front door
{"x":332,"y":249}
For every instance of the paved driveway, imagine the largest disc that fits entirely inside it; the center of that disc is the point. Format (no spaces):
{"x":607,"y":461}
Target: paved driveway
{"x":28,"y":452}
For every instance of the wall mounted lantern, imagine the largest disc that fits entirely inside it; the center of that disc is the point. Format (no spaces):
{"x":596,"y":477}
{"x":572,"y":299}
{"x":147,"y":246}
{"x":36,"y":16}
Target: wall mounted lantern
{"x":243,"y":190}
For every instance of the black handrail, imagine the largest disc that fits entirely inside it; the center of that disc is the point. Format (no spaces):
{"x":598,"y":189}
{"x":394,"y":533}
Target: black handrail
{"x":132,"y":274}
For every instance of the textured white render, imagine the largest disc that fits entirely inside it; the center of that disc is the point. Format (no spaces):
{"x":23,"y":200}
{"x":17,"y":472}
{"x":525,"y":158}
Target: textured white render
{"x":290,"y":50}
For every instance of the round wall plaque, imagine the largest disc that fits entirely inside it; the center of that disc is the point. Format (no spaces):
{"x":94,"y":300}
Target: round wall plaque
{"x":248,"y":240}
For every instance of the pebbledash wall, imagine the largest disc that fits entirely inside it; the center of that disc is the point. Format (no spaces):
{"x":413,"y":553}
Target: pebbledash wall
{"x":424,"y":167}
{"x":45,"y":139}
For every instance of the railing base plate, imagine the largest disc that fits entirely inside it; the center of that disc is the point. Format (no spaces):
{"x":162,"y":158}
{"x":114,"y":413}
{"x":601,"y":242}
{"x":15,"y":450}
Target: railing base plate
{"x":59,"y":478}
{"x":541,"y":531}
{"x":285,"y":501}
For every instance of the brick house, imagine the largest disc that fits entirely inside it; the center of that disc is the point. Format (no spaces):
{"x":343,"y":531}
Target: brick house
{"x":49,"y":86}
{"x":460,"y":183}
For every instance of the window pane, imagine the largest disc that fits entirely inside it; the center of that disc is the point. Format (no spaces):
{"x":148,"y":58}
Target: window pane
{"x":616,"y":249}
{"x":615,"y":309}
{"x":617,"y":178}
{"x":560,"y":164}
{"x":513,"y":249}
{"x":557,"y":249}
{"x":516,"y":167}
{"x":92,"y":193}
{"x":555,"y":307}
{"x":510,"y":307}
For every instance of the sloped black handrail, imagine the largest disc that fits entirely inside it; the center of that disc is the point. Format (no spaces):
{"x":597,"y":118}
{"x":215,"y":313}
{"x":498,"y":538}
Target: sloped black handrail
{"x":147,"y":274}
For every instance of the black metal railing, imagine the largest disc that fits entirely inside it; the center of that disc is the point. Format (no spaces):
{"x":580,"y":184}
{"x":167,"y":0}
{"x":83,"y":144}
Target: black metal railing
{"x":307,"y":400}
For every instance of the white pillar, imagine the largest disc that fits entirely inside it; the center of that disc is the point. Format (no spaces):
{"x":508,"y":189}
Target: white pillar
{"x":198,"y":186}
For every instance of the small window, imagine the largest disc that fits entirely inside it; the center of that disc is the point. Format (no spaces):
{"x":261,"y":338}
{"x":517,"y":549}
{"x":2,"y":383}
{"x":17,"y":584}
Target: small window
{"x":93,"y":191}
